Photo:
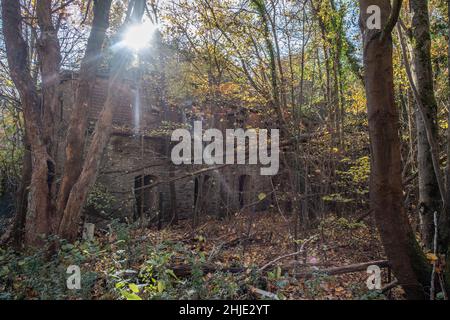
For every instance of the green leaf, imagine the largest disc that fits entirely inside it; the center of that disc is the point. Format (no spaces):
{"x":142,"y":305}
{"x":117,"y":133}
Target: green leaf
{"x":134,"y":288}
{"x":278,"y":272}
{"x":67,"y":247}
{"x":130,"y":296}
{"x":4,"y":271}
{"x":262,"y":196}
{"x":161,"y":286}
{"x":171,"y":273}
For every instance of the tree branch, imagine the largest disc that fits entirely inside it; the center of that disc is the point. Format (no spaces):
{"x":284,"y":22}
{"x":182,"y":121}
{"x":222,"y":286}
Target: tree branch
{"x":393,"y":18}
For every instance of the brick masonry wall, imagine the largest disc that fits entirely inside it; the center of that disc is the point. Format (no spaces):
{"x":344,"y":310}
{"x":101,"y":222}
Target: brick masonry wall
{"x":129,"y":156}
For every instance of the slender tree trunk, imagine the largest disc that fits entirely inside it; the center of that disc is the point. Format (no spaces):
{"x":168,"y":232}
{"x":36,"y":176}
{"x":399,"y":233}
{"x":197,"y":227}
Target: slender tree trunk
{"x":337,"y":69}
{"x":445,"y":222}
{"x":432,"y":142}
{"x":68,"y":228}
{"x":78,"y":120}
{"x":448,"y":131}
{"x":17,"y":235}
{"x":429,"y":196}
{"x":386,"y":194}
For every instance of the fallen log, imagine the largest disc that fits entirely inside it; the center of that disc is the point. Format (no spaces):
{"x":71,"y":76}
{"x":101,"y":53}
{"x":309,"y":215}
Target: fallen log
{"x":186,"y":270}
{"x":182,"y":271}
{"x":343,"y":270}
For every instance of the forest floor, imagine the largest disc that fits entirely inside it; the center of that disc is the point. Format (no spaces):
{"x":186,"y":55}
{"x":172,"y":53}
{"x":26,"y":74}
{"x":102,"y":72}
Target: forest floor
{"x":217,"y":260}
{"x":256,"y":239}
{"x":250,"y":241}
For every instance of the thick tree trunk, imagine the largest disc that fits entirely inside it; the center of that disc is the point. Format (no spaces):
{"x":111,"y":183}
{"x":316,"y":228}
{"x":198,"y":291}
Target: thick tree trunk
{"x":408,"y":262}
{"x":49,"y":53}
{"x":429,"y":196}
{"x":40,"y":124}
{"x":39,"y":204}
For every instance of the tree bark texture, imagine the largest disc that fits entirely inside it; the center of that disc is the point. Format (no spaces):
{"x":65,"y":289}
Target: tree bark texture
{"x":386,"y":192}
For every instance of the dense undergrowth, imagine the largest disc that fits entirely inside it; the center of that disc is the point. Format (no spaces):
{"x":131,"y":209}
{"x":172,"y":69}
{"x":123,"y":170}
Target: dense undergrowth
{"x":206,"y":263}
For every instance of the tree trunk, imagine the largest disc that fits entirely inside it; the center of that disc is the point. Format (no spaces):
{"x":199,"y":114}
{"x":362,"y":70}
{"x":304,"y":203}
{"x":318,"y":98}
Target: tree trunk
{"x":39,"y":108}
{"x":43,"y":169}
{"x":78,"y":120}
{"x":445,"y":222}
{"x":68,"y":228}
{"x":386,"y":194}
{"x":17,"y":235}
{"x":49,"y":53}
{"x":429,"y":196}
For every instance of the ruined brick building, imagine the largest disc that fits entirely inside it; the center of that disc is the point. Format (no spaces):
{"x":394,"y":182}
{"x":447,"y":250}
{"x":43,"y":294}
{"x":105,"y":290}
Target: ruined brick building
{"x":138,"y":156}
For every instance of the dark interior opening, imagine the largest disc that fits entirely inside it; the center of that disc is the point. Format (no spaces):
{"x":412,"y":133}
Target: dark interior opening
{"x":146,"y":199}
{"x":202,"y":188}
{"x":244,"y":186}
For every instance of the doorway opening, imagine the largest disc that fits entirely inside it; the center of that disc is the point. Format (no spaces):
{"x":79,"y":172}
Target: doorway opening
{"x":244,"y":191}
{"x":146,"y":198}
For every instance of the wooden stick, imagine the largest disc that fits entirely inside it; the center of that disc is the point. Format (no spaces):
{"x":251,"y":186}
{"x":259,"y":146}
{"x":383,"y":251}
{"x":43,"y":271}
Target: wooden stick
{"x":301,"y":251}
{"x":263,"y":293}
{"x":389,"y":286}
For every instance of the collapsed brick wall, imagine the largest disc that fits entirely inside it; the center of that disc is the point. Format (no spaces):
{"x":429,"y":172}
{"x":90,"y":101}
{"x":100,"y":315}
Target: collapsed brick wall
{"x":123,"y":162}
{"x":129,"y":156}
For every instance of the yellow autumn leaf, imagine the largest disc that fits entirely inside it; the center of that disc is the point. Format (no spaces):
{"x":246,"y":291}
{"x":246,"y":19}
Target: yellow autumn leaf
{"x":432,"y":257}
{"x":262,"y":196}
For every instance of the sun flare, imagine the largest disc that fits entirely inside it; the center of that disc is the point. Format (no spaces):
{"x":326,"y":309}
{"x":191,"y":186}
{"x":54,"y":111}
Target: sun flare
{"x":138,"y":36}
